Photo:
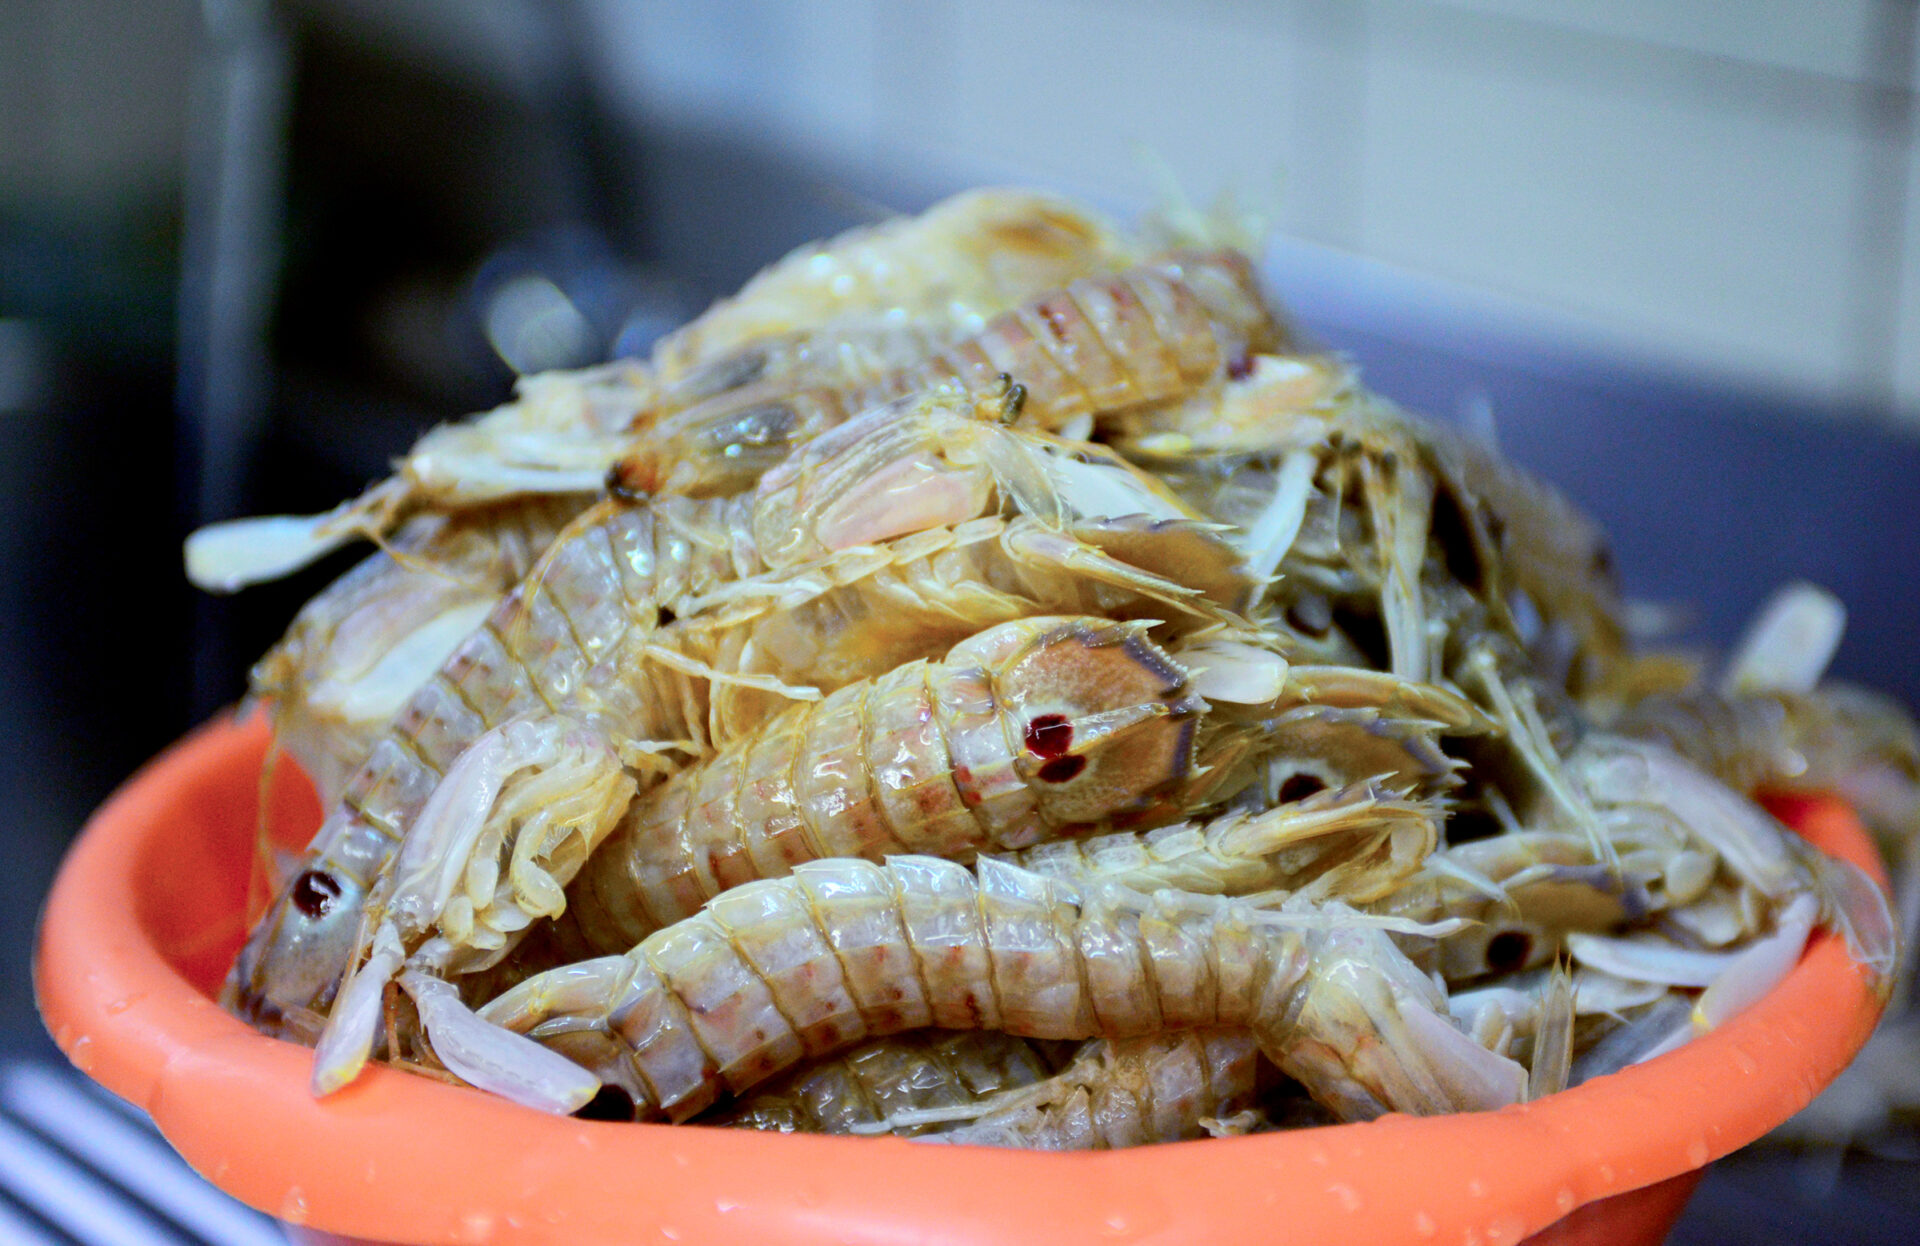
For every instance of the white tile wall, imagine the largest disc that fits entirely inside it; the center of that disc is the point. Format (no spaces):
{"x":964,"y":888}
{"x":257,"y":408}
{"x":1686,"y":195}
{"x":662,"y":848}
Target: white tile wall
{"x":1697,"y":177}
{"x":1906,"y":366}
{"x":803,"y":75}
{"x":93,"y":96}
{"x":1831,"y":37}
{"x":1075,"y":91}
{"x":1625,"y":188}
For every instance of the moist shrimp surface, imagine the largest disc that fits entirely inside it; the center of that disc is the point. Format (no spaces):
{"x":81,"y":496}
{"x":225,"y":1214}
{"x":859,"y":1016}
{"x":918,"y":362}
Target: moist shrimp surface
{"x":991,"y":632}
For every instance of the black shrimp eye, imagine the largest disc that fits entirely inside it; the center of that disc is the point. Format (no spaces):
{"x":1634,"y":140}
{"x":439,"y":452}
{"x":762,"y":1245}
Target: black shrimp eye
{"x":1299,"y":787}
{"x":1508,"y":950}
{"x":314,"y":893}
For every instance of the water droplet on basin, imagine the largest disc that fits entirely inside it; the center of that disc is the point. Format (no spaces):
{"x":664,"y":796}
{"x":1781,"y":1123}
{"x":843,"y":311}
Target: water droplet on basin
{"x":1745,"y":1062}
{"x":1348,"y":1197}
{"x":1423,"y":1224}
{"x":475,"y":1226}
{"x":1565,"y":1200}
{"x":1698,"y":1152}
{"x":1116,"y":1225}
{"x":669,"y":1232}
{"x":117,"y":1006}
{"x":1506,"y":1231}
{"x":293,"y":1206}
{"x":726,"y":1206}
{"x":81,"y":1053}
{"x":1320,"y":1157}
{"x":1477,"y":1188}
{"x":1607,"y":1175}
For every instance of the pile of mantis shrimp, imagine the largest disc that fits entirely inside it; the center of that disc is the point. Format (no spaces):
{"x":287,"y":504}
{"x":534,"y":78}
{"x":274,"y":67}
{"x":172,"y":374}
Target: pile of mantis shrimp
{"x":989,"y":680}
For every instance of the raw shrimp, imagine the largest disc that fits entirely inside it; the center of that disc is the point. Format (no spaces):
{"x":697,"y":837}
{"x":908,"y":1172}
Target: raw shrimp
{"x":1098,"y":347}
{"x":1854,"y":743}
{"x":1351,"y":495}
{"x":780,"y":970}
{"x":564,"y":429}
{"x":963,"y":259}
{"x":567,"y":636}
{"x":1040,"y":728}
{"x":652,"y":691}
{"x":359,"y":649}
{"x":1116,"y":1093}
{"x":556,"y":437}
{"x":906,"y":599}
{"x":1711,"y":864}
{"x":922,"y":1071}
{"x":1024,"y":729}
{"x":1354,"y":843}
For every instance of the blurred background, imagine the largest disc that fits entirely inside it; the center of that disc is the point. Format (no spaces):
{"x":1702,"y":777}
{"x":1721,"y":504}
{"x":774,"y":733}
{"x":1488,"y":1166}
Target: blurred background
{"x":1669,"y":251}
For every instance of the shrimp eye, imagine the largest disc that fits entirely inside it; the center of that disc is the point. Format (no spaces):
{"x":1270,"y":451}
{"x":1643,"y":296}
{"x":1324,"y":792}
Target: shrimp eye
{"x":314,"y":892}
{"x":1299,"y":787}
{"x":1508,"y":950}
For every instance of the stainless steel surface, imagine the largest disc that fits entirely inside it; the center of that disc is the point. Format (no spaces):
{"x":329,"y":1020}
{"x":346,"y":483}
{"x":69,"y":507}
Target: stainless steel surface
{"x":78,"y":1165}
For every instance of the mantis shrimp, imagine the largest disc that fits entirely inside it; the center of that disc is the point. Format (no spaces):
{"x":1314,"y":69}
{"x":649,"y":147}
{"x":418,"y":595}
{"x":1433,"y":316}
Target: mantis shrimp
{"x":357,"y":650}
{"x":869,"y":1086}
{"x":782,"y":969}
{"x":1039,"y":729}
{"x":609,"y":704}
{"x":564,"y":429}
{"x":989,"y":633}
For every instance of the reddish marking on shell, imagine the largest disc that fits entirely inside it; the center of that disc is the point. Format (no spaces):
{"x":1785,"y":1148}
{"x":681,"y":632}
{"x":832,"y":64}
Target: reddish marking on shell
{"x":1056,"y":318}
{"x":963,"y":780}
{"x":1060,"y":769}
{"x":1049,"y":735}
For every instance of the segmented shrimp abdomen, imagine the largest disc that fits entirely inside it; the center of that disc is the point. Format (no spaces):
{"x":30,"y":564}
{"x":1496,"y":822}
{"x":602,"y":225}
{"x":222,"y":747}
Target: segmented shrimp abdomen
{"x":363,"y":645}
{"x":1103,"y":344}
{"x":1121,"y":1093}
{"x":964,"y":258}
{"x":913,"y":1072}
{"x":1035,"y":728}
{"x":559,"y":639}
{"x":771,"y":973}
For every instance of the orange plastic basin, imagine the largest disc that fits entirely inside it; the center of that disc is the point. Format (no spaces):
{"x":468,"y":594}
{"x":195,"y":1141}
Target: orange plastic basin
{"x":148,"y":910}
